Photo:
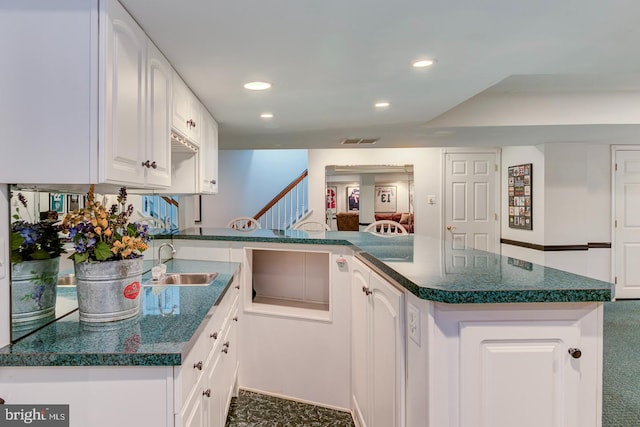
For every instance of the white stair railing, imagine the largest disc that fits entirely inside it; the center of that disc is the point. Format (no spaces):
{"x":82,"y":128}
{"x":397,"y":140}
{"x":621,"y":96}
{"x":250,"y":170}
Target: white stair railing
{"x":288,"y":207}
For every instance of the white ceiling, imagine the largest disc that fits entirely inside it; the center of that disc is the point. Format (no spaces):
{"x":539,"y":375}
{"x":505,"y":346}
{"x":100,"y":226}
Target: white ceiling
{"x":330,"y":60}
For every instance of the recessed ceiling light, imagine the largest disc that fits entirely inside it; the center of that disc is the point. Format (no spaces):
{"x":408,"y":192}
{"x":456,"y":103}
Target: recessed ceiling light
{"x":257,"y":85}
{"x":266,"y":115}
{"x":382,"y":104}
{"x":424,"y":63}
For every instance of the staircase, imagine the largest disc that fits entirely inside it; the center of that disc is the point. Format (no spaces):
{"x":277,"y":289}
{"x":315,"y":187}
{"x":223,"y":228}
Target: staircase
{"x":291,"y":205}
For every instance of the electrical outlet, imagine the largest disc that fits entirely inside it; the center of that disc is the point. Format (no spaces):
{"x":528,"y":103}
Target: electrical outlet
{"x":413,"y":322}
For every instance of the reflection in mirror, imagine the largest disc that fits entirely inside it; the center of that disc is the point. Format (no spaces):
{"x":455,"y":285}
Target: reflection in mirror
{"x":43,"y":290}
{"x":358,"y":195}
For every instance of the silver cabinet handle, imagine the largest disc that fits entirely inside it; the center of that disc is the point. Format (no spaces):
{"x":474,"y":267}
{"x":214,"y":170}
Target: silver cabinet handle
{"x":149,"y":164}
{"x":575,"y":353}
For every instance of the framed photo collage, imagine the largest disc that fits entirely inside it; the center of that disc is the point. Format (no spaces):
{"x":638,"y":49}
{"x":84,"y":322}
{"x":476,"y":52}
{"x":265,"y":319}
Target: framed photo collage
{"x":520,"y":196}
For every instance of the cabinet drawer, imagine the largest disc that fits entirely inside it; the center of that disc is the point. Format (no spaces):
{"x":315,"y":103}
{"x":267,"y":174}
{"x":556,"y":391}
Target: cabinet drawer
{"x":189,"y":373}
{"x":208,"y":343}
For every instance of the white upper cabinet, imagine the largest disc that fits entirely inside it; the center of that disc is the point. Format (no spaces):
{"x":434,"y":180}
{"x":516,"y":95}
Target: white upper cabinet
{"x":137,"y":82}
{"x":209,"y":156}
{"x":159,"y":102}
{"x":187,"y":111}
{"x":80,"y":93}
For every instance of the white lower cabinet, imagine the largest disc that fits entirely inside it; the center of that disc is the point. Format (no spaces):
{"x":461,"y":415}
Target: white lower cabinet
{"x":208,"y":400}
{"x":501,"y":365}
{"x":378,"y":363}
{"x":194,"y":394}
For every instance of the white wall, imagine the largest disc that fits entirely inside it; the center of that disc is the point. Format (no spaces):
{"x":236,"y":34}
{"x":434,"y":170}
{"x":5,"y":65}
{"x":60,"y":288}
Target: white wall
{"x":571,"y":205}
{"x":512,"y":156}
{"x":427,"y":174}
{"x":566,"y":195}
{"x":249,"y":179}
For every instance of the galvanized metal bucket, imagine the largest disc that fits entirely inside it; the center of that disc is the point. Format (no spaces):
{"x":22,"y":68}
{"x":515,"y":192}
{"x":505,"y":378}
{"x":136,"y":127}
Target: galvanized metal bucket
{"x":108,"y":290}
{"x":33,"y":289}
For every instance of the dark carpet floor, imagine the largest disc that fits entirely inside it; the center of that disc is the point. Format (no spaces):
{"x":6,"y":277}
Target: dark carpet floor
{"x":258,"y":410}
{"x":621,"y":367}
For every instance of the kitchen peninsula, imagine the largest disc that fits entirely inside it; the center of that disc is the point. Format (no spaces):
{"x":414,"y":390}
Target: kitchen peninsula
{"x":401,"y":331}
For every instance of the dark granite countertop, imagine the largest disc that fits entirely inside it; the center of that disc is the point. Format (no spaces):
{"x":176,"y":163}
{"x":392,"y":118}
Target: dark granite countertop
{"x":161,"y":335}
{"x":422,"y":265}
{"x":427,"y":269}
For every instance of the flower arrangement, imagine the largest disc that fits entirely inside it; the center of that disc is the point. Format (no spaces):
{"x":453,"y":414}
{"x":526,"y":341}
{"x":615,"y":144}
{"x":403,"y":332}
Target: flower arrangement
{"x":99,"y":234}
{"x":33,"y":240}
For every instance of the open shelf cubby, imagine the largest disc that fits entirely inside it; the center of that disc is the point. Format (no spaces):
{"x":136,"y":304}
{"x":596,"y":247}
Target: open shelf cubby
{"x":290,"y":280}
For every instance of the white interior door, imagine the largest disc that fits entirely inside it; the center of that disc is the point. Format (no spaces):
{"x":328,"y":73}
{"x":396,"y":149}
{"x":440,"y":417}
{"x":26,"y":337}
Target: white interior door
{"x":627,"y":223}
{"x":471,"y":219}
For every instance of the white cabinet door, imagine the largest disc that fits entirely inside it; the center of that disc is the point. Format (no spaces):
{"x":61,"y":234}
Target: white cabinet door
{"x":378,"y":365}
{"x":360,"y":343}
{"x":519,"y":374}
{"x":159,"y":93}
{"x":193,"y":414}
{"x":209,"y":156}
{"x":215,"y":387}
{"x":186,"y":111}
{"x":124,"y":83}
{"x":387,"y":353}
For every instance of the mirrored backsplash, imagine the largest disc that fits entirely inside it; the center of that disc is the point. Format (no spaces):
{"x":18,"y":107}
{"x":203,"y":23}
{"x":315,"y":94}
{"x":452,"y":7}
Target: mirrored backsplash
{"x":159,"y":212}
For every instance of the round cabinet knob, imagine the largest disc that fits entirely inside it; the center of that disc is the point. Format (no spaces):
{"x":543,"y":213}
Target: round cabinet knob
{"x":146,"y":164}
{"x":366,"y":290}
{"x":214,"y":336}
{"x":235,"y":318}
{"x":213,"y":181}
{"x":207,"y":392}
{"x":237,"y":286}
{"x":450,"y":227}
{"x":154,"y":165}
{"x":225,"y":350}
{"x":575,"y":353}
{"x":198,"y":366}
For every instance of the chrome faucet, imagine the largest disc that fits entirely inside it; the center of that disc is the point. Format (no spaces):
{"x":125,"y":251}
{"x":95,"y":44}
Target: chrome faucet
{"x":173,"y":251}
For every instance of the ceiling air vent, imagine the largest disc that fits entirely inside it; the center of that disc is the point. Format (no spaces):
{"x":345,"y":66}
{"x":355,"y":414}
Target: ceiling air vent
{"x":359,"y":141}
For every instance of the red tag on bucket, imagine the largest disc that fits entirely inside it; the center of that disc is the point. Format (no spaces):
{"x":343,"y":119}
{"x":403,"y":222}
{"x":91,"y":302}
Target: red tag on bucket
{"x":132,"y":290}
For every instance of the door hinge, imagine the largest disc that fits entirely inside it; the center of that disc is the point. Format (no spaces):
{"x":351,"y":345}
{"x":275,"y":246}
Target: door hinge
{"x":615,"y":280}
{"x":495,"y":167}
{"x":495,"y":216}
{"x":615,"y":224}
{"x":616,"y":167}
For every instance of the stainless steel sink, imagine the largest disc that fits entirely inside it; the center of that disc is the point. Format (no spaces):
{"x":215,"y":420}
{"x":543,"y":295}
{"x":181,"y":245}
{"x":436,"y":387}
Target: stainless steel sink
{"x":184,"y":279}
